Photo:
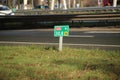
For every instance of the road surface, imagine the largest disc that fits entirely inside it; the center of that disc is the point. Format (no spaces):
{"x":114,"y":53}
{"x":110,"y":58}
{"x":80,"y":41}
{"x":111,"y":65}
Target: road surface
{"x":92,"y":39}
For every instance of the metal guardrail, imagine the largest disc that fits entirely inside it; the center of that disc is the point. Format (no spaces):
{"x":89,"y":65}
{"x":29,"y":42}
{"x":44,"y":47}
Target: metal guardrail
{"x":42,"y":20}
{"x":60,"y":17}
{"x":83,"y":10}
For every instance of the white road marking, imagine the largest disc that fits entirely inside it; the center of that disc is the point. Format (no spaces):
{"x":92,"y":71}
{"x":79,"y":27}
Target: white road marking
{"x":67,"y":44}
{"x":95,"y":45}
{"x":11,"y":42}
{"x":81,"y":36}
{"x":102,"y":32}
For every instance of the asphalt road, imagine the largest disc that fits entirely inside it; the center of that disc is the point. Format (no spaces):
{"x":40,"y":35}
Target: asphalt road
{"x":90,"y":39}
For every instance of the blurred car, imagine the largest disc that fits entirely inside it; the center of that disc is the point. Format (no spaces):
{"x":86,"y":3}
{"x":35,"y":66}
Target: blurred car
{"x":4,"y":10}
{"x":41,"y":7}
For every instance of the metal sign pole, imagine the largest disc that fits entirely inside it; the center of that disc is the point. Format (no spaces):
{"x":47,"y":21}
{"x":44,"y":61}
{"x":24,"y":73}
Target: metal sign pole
{"x":60,"y":43}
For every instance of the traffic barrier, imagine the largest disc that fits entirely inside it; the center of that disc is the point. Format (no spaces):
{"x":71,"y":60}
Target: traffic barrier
{"x":84,"y":10}
{"x":50,"y":20}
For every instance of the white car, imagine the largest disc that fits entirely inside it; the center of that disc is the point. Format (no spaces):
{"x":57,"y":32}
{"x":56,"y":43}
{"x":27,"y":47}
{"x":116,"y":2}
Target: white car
{"x":4,"y":10}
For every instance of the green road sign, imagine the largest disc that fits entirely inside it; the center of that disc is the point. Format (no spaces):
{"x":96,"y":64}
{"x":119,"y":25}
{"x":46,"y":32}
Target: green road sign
{"x":62,"y":30}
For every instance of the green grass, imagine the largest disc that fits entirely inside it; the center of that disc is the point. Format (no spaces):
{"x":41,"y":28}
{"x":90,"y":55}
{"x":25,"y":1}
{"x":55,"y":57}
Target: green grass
{"x":47,"y":63}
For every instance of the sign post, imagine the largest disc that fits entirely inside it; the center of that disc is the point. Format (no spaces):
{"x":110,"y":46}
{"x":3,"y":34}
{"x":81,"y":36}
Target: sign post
{"x":61,"y":31}
{"x":60,"y":43}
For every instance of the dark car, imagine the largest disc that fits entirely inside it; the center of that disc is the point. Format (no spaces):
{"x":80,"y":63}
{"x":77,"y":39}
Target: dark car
{"x":41,"y":7}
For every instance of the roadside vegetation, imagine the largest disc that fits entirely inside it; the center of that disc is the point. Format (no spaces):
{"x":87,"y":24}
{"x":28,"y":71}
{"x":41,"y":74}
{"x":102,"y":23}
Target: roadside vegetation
{"x":47,"y":63}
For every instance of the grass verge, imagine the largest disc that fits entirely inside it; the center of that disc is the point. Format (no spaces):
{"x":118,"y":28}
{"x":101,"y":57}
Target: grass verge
{"x":46,"y":63}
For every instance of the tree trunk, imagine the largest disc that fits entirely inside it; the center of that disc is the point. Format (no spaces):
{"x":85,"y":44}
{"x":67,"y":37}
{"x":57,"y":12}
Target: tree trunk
{"x":25,"y":4}
{"x":64,"y":4}
{"x":52,"y":4}
{"x":14,"y":3}
{"x":74,"y":3}
{"x":69,"y":3}
{"x":114,"y":3}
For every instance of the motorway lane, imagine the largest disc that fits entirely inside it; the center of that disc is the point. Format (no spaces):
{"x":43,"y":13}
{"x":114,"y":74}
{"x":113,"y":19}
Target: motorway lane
{"x":99,"y":37}
{"x":76,"y":38}
{"x":28,"y":36}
